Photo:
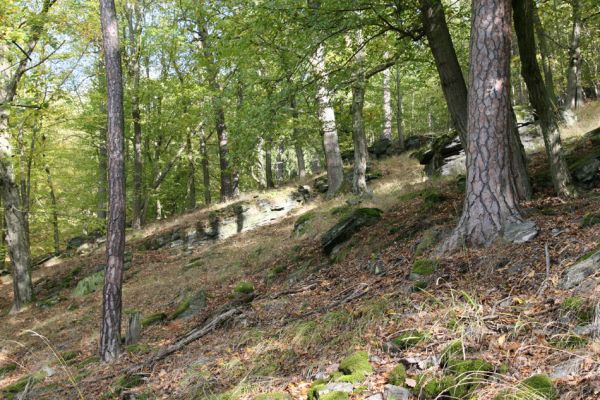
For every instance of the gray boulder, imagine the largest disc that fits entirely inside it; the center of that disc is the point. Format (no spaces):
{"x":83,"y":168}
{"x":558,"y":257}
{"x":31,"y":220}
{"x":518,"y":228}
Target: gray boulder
{"x":581,"y":271}
{"x":392,"y":392}
{"x":520,"y":232}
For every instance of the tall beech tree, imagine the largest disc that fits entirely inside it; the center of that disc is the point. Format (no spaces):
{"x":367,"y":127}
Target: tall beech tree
{"x":17,"y":236}
{"x":491,"y":199}
{"x":539,"y":97}
{"x":110,"y":332}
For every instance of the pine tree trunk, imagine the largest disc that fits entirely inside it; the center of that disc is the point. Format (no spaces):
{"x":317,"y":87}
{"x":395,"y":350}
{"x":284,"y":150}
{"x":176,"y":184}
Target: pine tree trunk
{"x":387,"y":104}
{"x":110,"y":333}
{"x":55,"y":230}
{"x":205,"y":169}
{"x":573,"y":99}
{"x":399,"y":128}
{"x":446,"y":62}
{"x":326,"y":114}
{"x":540,"y":99}
{"x":491,"y":201}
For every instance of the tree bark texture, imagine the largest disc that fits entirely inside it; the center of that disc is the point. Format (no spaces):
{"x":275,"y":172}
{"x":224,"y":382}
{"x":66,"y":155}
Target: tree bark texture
{"x":326,"y":114}
{"x":110,"y":333}
{"x":359,"y":181}
{"x":446,"y":62}
{"x":296,"y":135}
{"x":55,"y":229}
{"x":491,"y":201}
{"x":546,"y":56}
{"x":386,"y":132}
{"x":540,"y":98}
{"x":205,"y":169}
{"x":269,"y":163}
{"x":573,"y":98}
{"x":102,"y":175}
{"x":399,"y":127}
{"x":191,"y":171}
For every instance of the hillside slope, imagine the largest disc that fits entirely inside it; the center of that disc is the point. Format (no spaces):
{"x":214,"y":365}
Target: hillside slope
{"x":282,"y":317}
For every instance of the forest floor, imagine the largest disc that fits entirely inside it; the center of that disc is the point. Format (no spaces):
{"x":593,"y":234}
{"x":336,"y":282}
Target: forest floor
{"x":309,"y":311}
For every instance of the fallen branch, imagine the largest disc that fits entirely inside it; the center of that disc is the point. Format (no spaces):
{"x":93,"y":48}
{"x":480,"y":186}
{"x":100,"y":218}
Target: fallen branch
{"x":294,"y":291}
{"x":359,"y":291}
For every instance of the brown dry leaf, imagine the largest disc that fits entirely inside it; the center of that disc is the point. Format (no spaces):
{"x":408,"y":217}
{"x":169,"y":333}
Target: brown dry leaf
{"x":410,"y":382}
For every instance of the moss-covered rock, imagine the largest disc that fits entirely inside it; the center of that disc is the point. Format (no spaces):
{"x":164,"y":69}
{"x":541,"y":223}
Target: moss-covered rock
{"x":423,"y":267}
{"x":409,"y":339}
{"x":334,"y":396}
{"x":447,"y":385}
{"x":348,"y":226}
{"x":428,"y":239}
{"x":355,"y":367}
{"x":89,"y":284}
{"x":11,"y":391}
{"x":397,"y":376}
{"x":314,"y":389}
{"x":181,"y":307}
{"x":127,"y":381}
{"x":273,"y":396}
{"x":153,"y":319}
{"x":302,"y":221}
{"x":243,"y":287}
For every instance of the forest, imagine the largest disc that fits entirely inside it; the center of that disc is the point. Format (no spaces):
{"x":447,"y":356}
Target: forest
{"x":285,"y":199}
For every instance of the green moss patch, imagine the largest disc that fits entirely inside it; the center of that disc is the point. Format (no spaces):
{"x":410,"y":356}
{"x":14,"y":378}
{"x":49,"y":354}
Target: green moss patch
{"x":423,"y":267}
{"x":153,"y":319}
{"x":539,"y":387}
{"x":89,"y":284}
{"x":409,"y":339}
{"x":334,"y":396}
{"x":355,"y":368}
{"x":181,"y":307}
{"x":243,"y":287}
{"x":138,"y":348}
{"x":11,"y":391}
{"x":398,"y":375}
{"x":451,"y":351}
{"x":464,"y":367}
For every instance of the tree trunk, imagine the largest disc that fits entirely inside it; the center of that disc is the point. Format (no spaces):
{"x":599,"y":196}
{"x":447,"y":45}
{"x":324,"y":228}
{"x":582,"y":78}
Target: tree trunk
{"x":446,"y":62}
{"x":546,"y":56}
{"x":326,"y":114}
{"x":296,"y":136}
{"x":191,"y":179}
{"x":137,"y":162}
{"x":16,"y":233}
{"x":491,"y":201}
{"x":226,"y":184}
{"x":387,"y":104}
{"x":359,"y":181}
{"x":280,"y":168}
{"x":399,"y":127}
{"x":573,"y":99}
{"x":269,"y":163}
{"x":205,"y":170}
{"x":539,"y":97}
{"x":110,"y":333}
{"x":55,"y":230}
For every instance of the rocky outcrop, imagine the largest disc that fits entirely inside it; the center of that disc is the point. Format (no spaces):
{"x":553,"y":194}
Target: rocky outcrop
{"x":343,"y":230}
{"x":575,"y":275}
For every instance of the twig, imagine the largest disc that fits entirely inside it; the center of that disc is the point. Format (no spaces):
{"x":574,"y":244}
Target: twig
{"x":545,"y":282}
